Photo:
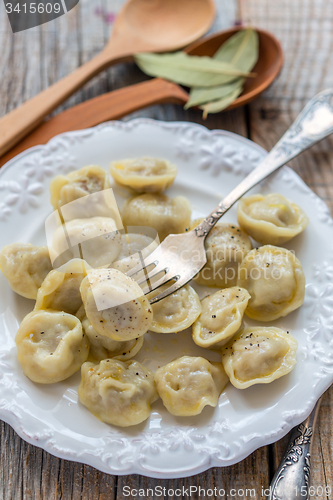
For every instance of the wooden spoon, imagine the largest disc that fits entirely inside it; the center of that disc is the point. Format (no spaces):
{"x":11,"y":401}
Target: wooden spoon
{"x":141,"y":26}
{"x":119,"y":103}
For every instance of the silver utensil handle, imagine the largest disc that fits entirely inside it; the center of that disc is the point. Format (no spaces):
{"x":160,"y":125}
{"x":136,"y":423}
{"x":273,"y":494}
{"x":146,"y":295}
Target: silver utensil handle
{"x":313,"y":124}
{"x":292,"y":478}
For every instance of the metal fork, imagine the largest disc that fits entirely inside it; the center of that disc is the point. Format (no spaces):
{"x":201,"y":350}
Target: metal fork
{"x":174,"y":257}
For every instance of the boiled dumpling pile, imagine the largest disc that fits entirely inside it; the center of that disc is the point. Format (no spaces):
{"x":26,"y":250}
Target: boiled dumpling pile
{"x":89,"y":314}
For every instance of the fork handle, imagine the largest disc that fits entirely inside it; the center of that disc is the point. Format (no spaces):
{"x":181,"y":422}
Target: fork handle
{"x":292,"y":478}
{"x":313,"y":124}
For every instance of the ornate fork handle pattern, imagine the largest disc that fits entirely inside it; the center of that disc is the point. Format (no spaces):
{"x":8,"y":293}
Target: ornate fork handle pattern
{"x":292,"y":478}
{"x":203,"y":229}
{"x":313,"y":124}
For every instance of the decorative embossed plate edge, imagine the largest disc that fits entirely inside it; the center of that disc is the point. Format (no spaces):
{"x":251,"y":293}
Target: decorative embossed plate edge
{"x":22,"y":183}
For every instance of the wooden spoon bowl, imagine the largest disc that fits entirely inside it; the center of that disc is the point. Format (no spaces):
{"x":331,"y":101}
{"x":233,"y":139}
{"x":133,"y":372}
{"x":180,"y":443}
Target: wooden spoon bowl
{"x":159,"y":25}
{"x":267,"y":68}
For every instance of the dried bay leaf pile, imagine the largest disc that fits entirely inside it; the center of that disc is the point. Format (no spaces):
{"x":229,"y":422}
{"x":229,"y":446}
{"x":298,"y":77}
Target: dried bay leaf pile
{"x":215,"y":82}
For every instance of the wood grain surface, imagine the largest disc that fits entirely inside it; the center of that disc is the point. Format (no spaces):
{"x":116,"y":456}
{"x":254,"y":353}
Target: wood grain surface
{"x":31,"y":61}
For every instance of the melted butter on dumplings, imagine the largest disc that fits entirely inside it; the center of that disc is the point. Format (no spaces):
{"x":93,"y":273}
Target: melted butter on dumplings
{"x":271,"y":219}
{"x":102,"y":347}
{"x":274,"y":278}
{"x":61,"y":292}
{"x":226,"y":245}
{"x":51,"y":346}
{"x":118,"y":393}
{"x":144,"y":175}
{"x":115,"y":305}
{"x":259,"y":355}
{"x":188,"y":384}
{"x":166,"y":215}
{"x":176,"y":312}
{"x":25,"y":267}
{"x":221,"y":317}
{"x":87,"y":180}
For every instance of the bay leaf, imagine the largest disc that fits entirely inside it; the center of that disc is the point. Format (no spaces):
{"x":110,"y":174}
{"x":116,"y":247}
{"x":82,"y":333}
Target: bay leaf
{"x":221,"y":104}
{"x":188,"y":70}
{"x":202,"y":95}
{"x":241,"y":49}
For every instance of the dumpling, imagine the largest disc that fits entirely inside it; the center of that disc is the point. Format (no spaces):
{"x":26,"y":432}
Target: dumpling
{"x":176,"y":312}
{"x":51,"y":346}
{"x":99,"y":204}
{"x":188,"y":384}
{"x":25,"y":267}
{"x":221,"y":317}
{"x":96,"y":240}
{"x":61,"y":292}
{"x":87,"y":180}
{"x":116,"y":392}
{"x":226,"y":245}
{"x":166,"y":215}
{"x":270,"y":219}
{"x":102,"y":347}
{"x":274,"y":278}
{"x":134,"y":247}
{"x":259,"y":355}
{"x":114,"y":304}
{"x":144,"y":175}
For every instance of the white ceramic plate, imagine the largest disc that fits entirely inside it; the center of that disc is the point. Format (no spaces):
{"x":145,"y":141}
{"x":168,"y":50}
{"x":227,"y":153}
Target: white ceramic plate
{"x":210,"y":164}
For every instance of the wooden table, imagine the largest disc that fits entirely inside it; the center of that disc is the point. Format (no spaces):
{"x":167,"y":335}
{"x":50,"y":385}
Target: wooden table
{"x":32,"y":60}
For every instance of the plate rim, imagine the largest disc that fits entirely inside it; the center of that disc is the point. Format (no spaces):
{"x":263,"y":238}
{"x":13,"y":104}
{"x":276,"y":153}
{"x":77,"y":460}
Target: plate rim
{"x":14,"y":421}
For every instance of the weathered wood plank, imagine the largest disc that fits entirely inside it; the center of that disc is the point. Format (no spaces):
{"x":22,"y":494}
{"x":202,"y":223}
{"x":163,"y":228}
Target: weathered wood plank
{"x":32,"y":61}
{"x":250,"y":474}
{"x":19,"y":78}
{"x":305,"y":31}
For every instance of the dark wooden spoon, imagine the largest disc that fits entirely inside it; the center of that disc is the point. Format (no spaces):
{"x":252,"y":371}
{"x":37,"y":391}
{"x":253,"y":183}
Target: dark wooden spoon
{"x":118,"y":103}
{"x":267,"y":68}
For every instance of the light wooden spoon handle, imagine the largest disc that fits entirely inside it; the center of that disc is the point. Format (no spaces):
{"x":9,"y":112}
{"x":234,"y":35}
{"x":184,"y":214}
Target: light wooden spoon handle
{"x":110,"y":106}
{"x":22,"y":120}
